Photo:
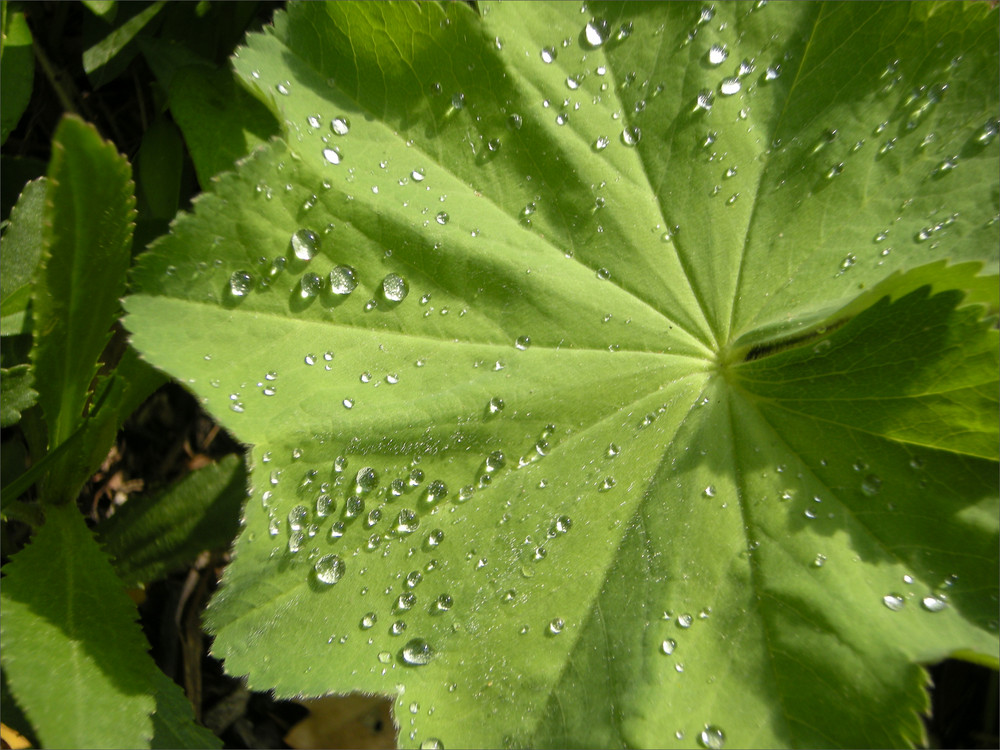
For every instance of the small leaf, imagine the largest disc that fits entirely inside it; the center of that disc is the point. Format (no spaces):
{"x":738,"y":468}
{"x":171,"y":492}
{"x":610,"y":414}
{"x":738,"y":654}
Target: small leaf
{"x":105,"y":59}
{"x":16,"y":393}
{"x":17,"y":69}
{"x":88,"y":233}
{"x":19,"y":254}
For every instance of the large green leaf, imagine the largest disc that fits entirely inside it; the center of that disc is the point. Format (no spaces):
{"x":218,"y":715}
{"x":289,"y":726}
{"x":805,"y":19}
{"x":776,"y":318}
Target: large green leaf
{"x":705,"y":277}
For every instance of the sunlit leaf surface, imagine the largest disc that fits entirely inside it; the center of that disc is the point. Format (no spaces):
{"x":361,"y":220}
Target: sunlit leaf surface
{"x":610,"y":376}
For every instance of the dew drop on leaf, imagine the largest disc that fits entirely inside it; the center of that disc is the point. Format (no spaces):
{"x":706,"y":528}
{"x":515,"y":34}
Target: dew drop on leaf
{"x":548,"y":54}
{"x":417,"y":652}
{"x":894,"y":602}
{"x":310,"y":285}
{"x":343,"y":280}
{"x":240,"y":283}
{"x":717,"y":54}
{"x":340,"y":125}
{"x":395,"y":288}
{"x":631,"y":135}
{"x":730,"y":86}
{"x":933,"y":603}
{"x":366,"y":480}
{"x":711,"y":737}
{"x":368,"y":620}
{"x":597,"y":31}
{"x":522,"y":342}
{"x":556,"y":625}
{"x":305,"y":244}
{"x":667,"y":646}
{"x":442,"y":218}
{"x":331,"y":155}
{"x":329,"y":569}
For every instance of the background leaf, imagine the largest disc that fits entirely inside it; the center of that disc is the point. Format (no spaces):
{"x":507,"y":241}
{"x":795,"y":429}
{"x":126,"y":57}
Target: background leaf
{"x":149,"y":537}
{"x":18,"y":66}
{"x":550,"y":486}
{"x":88,"y":235}
{"x":66,"y":613}
{"x":19,"y":255}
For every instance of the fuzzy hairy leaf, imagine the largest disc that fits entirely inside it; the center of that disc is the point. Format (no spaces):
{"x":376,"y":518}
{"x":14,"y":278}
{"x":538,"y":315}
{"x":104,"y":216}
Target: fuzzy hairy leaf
{"x":686,"y":424}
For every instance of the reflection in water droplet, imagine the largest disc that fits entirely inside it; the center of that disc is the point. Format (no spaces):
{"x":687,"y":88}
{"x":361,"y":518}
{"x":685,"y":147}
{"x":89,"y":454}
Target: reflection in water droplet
{"x":329,"y":569}
{"x":417,"y":652}
{"x":717,"y":54}
{"x":871,"y":485}
{"x":240,"y":283}
{"x":597,"y":32}
{"x":730,"y":86}
{"x":894,"y":602}
{"x":934,"y":603}
{"x":343,"y":280}
{"x":340,"y":125}
{"x":711,"y":737}
{"x":631,"y":135}
{"x":395,"y":288}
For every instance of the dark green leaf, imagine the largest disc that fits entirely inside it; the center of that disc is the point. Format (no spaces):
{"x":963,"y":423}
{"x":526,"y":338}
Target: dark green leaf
{"x":17,"y":69}
{"x":149,"y":537}
{"x":16,"y":393}
{"x":158,"y":169}
{"x":19,"y":253}
{"x":106,"y":59}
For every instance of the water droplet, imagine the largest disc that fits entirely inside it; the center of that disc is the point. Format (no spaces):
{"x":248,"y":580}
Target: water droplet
{"x":597,"y":31}
{"x":395,"y":288}
{"x":894,"y":602}
{"x":432,"y":743}
{"x":606,"y":484}
{"x":819,"y":561}
{"x":441,"y":218}
{"x":310,"y":285}
{"x":305,"y":244}
{"x":417,"y":652}
{"x":548,"y":54}
{"x":988,"y":132}
{"x":522,"y":342}
{"x":329,"y":569}
{"x":496,"y":405}
{"x":772,"y":72}
{"x":709,"y":491}
{"x":343,"y":280}
{"x":514,"y":122}
{"x":332,"y":155}
{"x":835,"y":170}
{"x":436,"y":492}
{"x":297,"y":517}
{"x":368,"y":620}
{"x":871,"y":485}
{"x":340,"y":125}
{"x":667,"y":646}
{"x":366,"y":480}
{"x":717,"y":54}
{"x":601,"y":143}
{"x":284,"y":88}
{"x":458,"y":100}
{"x":712,"y":737}
{"x":336,"y":530}
{"x":704,"y":100}
{"x":405,"y":601}
{"x":295,"y":541}
{"x":413,"y":578}
{"x":631,"y":135}
{"x":354,"y":507}
{"x":556,"y":625}
{"x":684,"y":621}
{"x":416,"y":477}
{"x":443,"y":603}
{"x":730,"y":86}
{"x":240,"y":283}
{"x":435,"y":538}
{"x":933,"y":603}
{"x":397,"y":628}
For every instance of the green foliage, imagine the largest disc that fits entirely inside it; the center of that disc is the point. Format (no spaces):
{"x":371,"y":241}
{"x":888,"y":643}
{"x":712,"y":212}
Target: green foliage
{"x":17,"y":63}
{"x":66,"y":613}
{"x":687,"y":424}
{"x":151,"y":536}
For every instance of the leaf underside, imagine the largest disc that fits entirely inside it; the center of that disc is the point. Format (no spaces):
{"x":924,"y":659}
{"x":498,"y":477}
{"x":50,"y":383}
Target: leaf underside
{"x":682,"y":541}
